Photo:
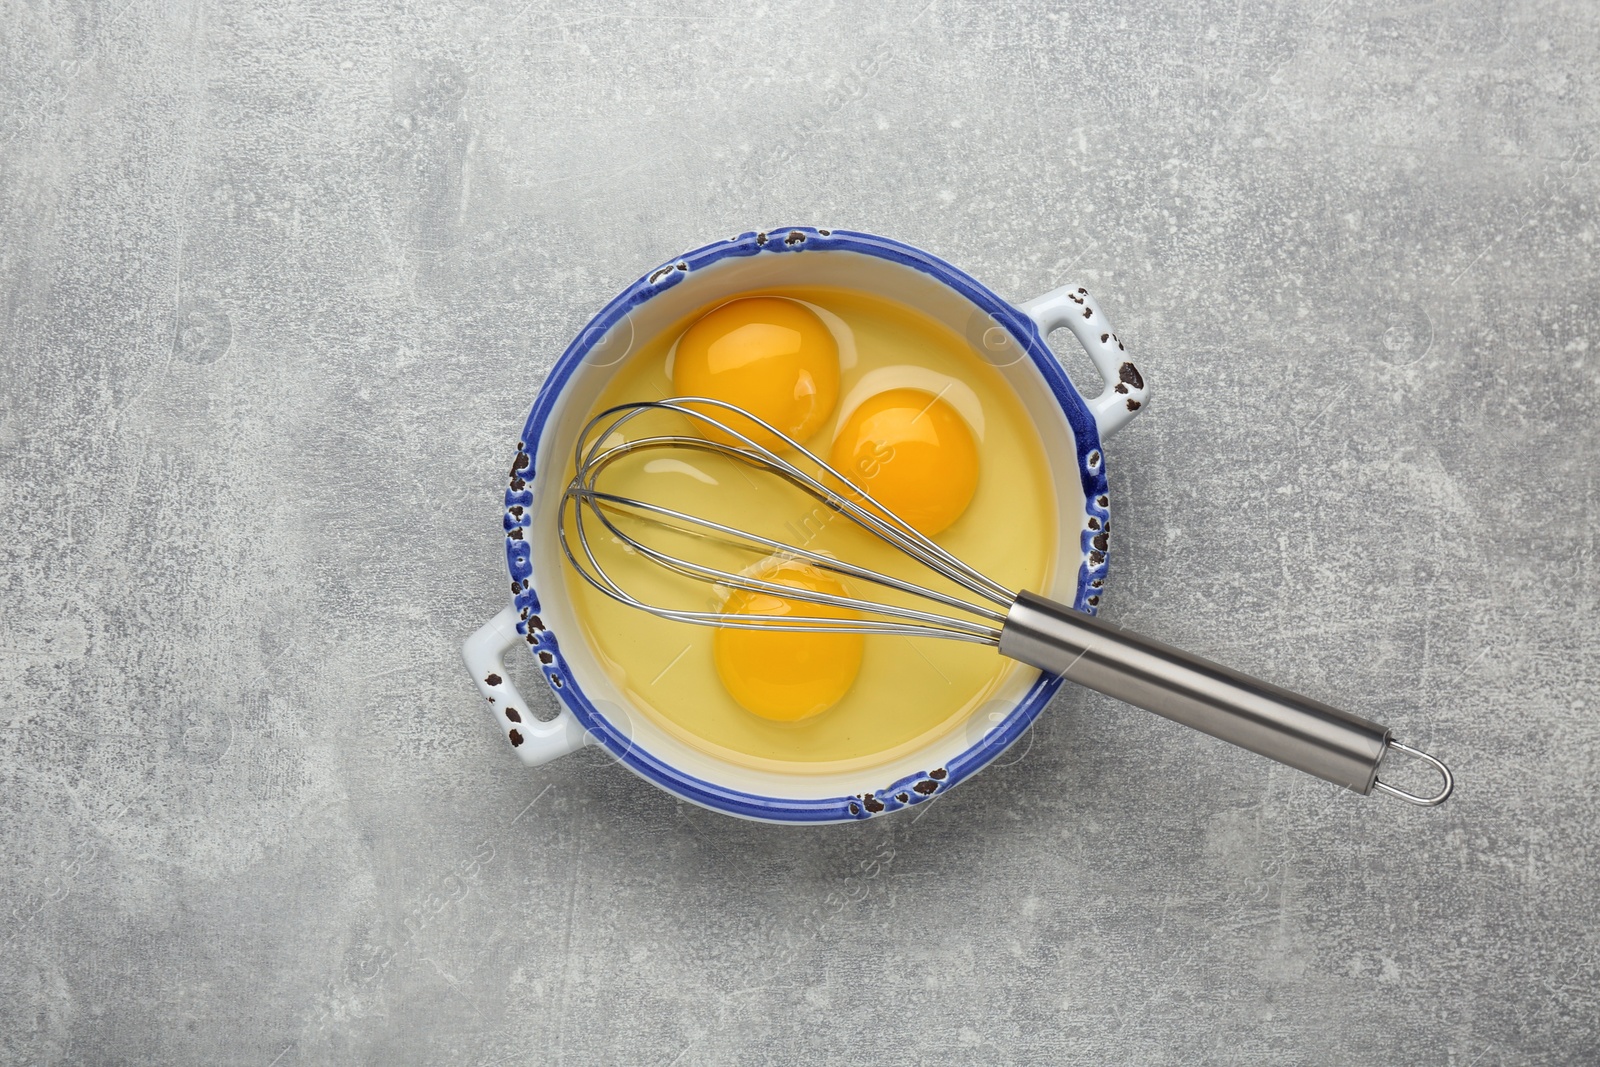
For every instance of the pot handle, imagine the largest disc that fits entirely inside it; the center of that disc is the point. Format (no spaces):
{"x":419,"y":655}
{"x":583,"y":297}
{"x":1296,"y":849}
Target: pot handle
{"x":1126,"y":393}
{"x":533,"y":741}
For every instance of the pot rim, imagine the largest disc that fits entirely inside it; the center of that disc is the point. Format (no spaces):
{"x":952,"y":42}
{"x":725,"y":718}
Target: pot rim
{"x":544,"y":647}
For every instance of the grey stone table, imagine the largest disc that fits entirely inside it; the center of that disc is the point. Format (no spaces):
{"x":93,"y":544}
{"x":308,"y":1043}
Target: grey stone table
{"x":280,"y":281}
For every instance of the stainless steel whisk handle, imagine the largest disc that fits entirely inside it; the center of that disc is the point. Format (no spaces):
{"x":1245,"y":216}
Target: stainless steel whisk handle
{"x":1294,"y":730}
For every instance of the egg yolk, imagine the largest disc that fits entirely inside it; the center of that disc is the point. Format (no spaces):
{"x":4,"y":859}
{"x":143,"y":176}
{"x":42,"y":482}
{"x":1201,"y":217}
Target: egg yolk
{"x":913,"y":454}
{"x":770,"y":356}
{"x":782,"y":675}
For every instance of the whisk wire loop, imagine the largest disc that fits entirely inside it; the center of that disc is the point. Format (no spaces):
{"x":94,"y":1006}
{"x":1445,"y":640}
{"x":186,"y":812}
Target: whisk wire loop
{"x":600,"y":444}
{"x":883,"y":521}
{"x":778,"y":549}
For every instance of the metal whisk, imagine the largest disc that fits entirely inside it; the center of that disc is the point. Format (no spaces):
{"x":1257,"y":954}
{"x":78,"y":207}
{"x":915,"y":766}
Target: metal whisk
{"x":1294,"y":730}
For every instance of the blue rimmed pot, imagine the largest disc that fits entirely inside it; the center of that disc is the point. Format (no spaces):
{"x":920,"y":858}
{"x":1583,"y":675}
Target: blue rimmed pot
{"x":539,"y":618}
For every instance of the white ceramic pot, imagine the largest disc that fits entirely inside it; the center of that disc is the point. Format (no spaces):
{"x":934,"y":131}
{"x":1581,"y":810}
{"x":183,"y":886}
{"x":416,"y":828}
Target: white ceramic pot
{"x":539,"y":618}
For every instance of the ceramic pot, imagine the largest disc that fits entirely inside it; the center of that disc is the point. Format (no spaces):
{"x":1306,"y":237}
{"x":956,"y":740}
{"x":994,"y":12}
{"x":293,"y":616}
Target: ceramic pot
{"x":1072,"y":427}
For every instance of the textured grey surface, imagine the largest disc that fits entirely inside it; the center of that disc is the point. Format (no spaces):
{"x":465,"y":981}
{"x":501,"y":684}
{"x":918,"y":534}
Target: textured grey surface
{"x":280,"y":281}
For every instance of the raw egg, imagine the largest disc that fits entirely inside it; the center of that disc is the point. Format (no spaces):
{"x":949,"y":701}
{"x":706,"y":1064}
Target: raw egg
{"x":774,"y":358}
{"x":680,"y":679}
{"x":787,"y":676}
{"x":913,"y":454}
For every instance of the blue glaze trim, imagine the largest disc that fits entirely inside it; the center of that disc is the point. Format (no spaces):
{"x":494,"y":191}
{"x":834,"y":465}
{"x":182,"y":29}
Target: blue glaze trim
{"x":543,"y":643}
